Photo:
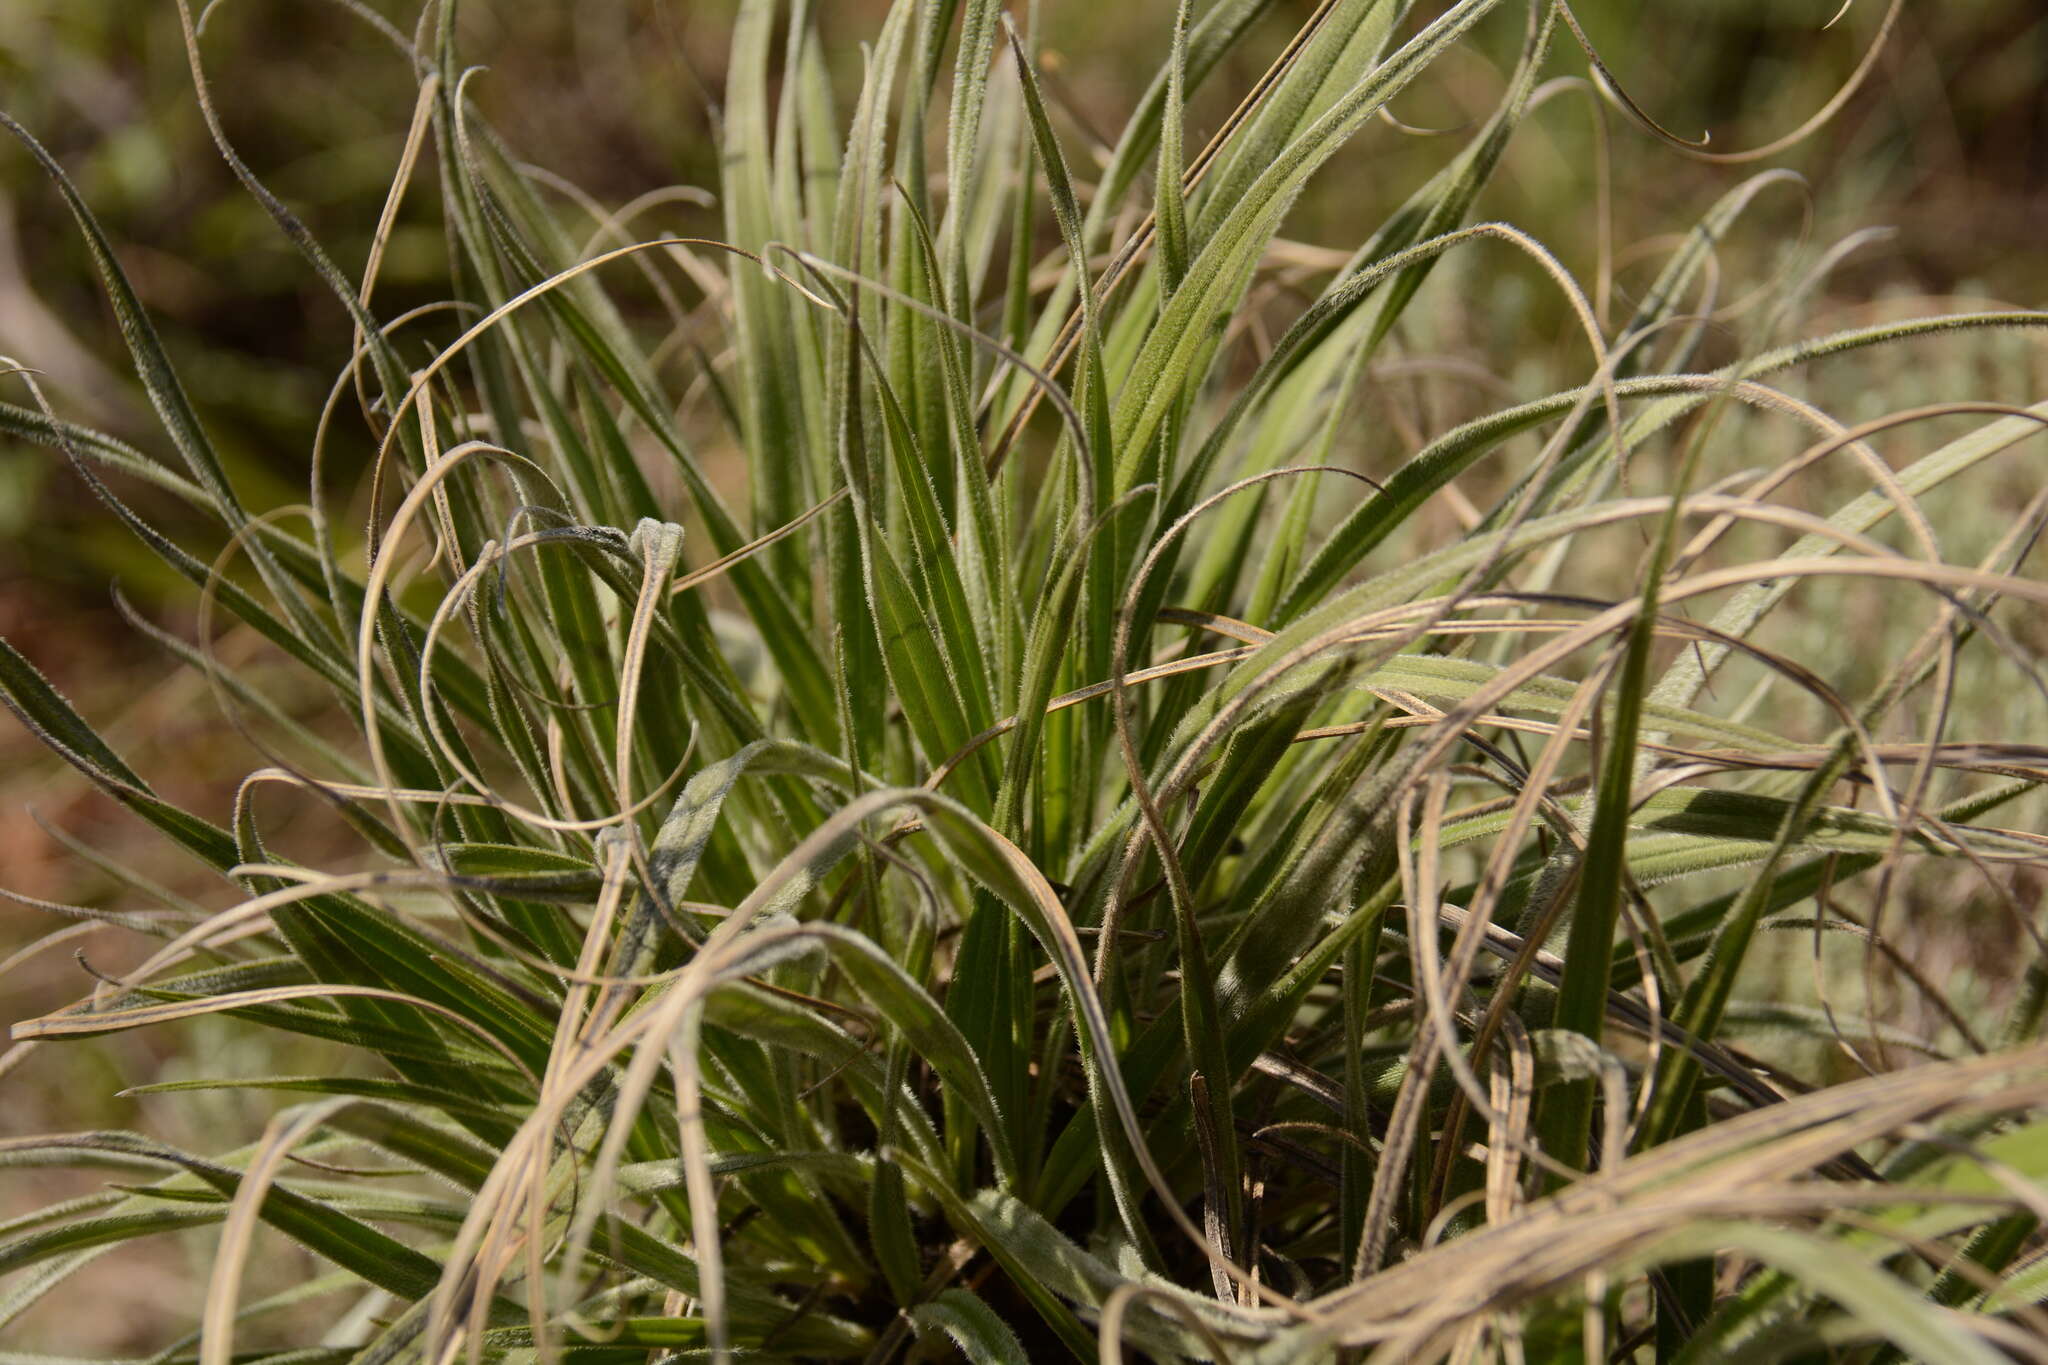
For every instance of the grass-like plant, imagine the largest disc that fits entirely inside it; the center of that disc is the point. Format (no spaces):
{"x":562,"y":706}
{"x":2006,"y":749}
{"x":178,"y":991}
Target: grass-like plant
{"x":911,"y":797}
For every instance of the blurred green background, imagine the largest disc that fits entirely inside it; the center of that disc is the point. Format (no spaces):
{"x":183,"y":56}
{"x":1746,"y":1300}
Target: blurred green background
{"x":1947,"y":143}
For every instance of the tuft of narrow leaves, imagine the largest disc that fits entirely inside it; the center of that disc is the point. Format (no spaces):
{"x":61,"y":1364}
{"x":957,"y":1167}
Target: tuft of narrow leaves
{"x":1074,"y":859}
